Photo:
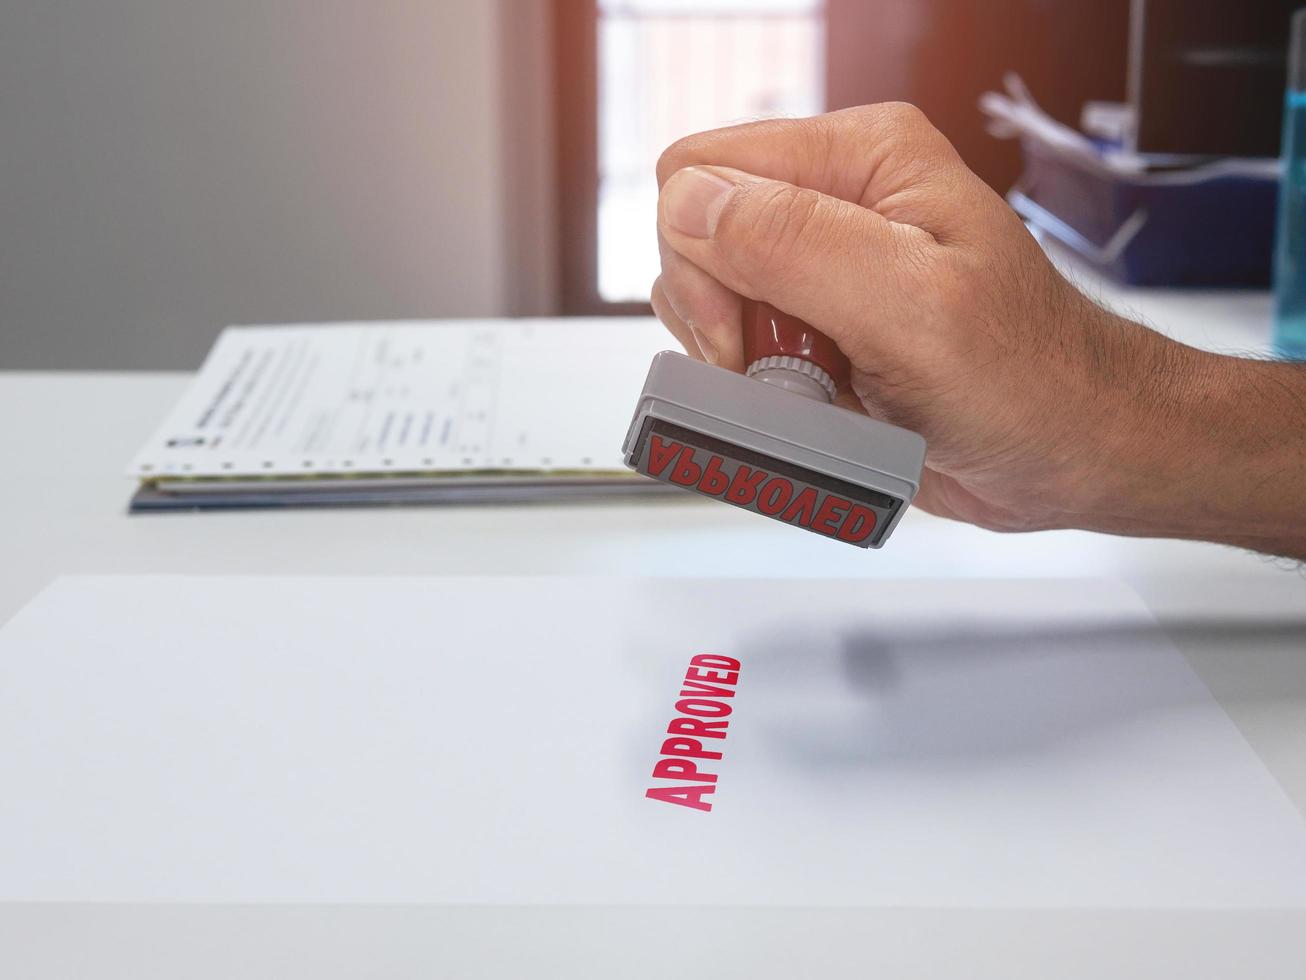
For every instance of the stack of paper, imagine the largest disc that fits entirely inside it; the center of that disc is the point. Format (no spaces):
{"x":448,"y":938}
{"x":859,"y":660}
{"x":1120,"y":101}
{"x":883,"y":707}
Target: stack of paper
{"x":404,"y":412}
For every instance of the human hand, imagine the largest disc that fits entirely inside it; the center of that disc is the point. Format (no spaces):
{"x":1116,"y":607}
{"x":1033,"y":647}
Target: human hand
{"x":1035,"y":403}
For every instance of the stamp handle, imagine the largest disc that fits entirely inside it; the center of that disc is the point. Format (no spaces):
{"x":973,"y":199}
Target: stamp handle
{"x":769,"y":332}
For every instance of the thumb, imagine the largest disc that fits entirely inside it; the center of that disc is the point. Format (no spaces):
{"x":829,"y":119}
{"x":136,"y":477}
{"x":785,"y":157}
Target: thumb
{"x":814,"y":256}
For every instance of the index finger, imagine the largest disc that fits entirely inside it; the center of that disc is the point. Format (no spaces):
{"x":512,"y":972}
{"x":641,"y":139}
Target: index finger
{"x":886,"y":157}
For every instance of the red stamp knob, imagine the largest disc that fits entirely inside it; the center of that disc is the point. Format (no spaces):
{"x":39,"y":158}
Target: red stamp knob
{"x":770,"y":333}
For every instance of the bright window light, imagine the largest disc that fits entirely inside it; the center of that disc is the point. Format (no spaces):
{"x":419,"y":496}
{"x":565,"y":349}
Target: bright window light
{"x":668,"y":68}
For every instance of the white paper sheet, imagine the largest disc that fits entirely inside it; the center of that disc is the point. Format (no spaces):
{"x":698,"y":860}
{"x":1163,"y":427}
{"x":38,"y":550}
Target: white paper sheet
{"x":491,"y":741}
{"x":391,"y":397}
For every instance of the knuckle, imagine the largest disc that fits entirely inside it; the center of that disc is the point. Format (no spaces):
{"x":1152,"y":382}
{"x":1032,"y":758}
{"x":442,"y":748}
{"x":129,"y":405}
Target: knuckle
{"x":885,"y":118}
{"x":900,"y":125}
{"x":904,"y":114}
{"x":903,"y":147}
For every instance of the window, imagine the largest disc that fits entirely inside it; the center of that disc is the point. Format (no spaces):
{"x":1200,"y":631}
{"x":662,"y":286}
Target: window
{"x":635,"y":75}
{"x":667,"y":68}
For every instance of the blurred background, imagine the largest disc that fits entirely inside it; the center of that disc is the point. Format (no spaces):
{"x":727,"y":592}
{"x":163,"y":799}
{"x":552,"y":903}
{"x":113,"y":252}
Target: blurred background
{"x":171,"y":166}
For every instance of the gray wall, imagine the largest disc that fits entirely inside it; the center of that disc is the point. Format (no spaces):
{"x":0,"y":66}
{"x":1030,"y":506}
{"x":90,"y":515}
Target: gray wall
{"x":170,"y":166}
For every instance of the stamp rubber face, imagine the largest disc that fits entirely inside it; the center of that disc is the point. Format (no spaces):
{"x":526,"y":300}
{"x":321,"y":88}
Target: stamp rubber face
{"x":754,"y":481}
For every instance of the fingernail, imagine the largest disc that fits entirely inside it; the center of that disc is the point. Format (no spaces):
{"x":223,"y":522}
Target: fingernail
{"x":692,"y":200}
{"x":710,"y":353}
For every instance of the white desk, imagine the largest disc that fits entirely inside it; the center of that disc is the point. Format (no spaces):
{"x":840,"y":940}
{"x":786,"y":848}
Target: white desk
{"x":1240,"y":619}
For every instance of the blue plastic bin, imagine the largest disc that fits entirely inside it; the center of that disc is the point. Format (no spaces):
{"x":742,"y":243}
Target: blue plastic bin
{"x":1210,"y":226}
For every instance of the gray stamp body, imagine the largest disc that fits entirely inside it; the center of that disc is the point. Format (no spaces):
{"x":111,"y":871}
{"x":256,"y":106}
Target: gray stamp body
{"x":783,"y":455}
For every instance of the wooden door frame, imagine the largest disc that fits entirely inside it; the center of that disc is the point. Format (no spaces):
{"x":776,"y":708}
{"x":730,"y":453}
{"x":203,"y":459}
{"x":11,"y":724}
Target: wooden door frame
{"x":576,"y":129}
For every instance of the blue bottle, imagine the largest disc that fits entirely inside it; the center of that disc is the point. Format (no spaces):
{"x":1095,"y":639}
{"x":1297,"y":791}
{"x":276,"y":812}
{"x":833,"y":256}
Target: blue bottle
{"x":1290,"y":247}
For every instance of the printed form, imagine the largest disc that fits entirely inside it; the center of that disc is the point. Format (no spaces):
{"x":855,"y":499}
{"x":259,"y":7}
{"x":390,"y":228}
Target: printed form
{"x":405,"y":397}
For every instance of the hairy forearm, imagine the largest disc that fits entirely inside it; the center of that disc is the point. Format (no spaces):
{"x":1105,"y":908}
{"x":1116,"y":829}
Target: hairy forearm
{"x":1215,"y":451}
{"x":1258,"y":423}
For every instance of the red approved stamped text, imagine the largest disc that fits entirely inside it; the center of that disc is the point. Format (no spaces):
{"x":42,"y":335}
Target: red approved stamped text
{"x":703,"y":710}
